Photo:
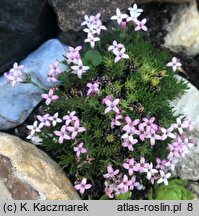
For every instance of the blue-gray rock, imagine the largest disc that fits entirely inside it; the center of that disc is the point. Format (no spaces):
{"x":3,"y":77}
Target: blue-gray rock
{"x":17,"y":103}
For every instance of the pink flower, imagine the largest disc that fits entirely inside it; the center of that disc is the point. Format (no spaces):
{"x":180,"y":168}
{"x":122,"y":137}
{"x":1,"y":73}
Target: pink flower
{"x":115,"y":47}
{"x":130,"y":166}
{"x":167,"y":133}
{"x":15,"y":74}
{"x":55,"y":119}
{"x":190,"y":124}
{"x":128,"y":144}
{"x":115,"y":121}
{"x":120,"y":54}
{"x":54,"y":69}
{"x":109,"y":189}
{"x":153,"y":136}
{"x":83,"y":186}
{"x":124,"y":185}
{"x":130,"y":127}
{"x":93,"y":88}
{"x":73,"y":54}
{"x":119,"y":16}
{"x":44,"y":120}
{"x":175,"y":63}
{"x":111,"y":173}
{"x":49,"y":97}
{"x":92,"y":39}
{"x":75,"y":129}
{"x":163,"y":177}
{"x":79,"y":69}
{"x":140,"y":25}
{"x":70,"y":118}
{"x":160,"y":164}
{"x":142,"y":165}
{"x":133,"y":183}
{"x":80,"y":149}
{"x":112,"y":105}
{"x":149,"y":124}
{"x":62,"y":134}
{"x":141,"y":132}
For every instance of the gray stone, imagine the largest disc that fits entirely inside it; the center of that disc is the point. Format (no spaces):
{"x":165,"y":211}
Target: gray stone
{"x":183,"y":31}
{"x":27,"y":173}
{"x":71,"y":13}
{"x":24,"y":26}
{"x":188,"y":104}
{"x":17,"y":103}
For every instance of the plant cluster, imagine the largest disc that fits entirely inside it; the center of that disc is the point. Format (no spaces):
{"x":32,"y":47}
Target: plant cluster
{"x":110,"y":122}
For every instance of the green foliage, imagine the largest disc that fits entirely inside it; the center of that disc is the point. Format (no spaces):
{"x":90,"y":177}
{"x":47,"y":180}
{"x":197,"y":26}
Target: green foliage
{"x":145,"y":87}
{"x":176,"y":190}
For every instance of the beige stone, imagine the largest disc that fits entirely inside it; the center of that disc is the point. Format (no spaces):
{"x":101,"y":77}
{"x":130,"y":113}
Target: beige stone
{"x":29,"y":173}
{"x":183,"y":31}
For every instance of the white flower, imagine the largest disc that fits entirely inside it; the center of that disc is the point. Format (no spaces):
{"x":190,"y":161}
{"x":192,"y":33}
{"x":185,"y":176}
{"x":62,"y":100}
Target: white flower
{"x":163,"y":177}
{"x":91,"y":39}
{"x":79,"y":69}
{"x":134,"y":12}
{"x":55,"y":119}
{"x":119,"y":16}
{"x":120,"y":54}
{"x":33,"y":128}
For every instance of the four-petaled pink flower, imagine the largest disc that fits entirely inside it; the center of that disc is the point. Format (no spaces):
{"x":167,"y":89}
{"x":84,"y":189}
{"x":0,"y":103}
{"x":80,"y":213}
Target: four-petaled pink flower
{"x":167,"y":133}
{"x":124,"y":185}
{"x":130,"y":126}
{"x":161,"y":164}
{"x":112,"y":105}
{"x":53,"y":72}
{"x":142,"y":165}
{"x":119,"y":16}
{"x":140,"y":25}
{"x":111,"y":173}
{"x":75,"y":129}
{"x":49,"y":97}
{"x":115,"y":47}
{"x":93,"y":88}
{"x":15,"y":74}
{"x":80,"y":149}
{"x":163,"y":177}
{"x":62,"y":134}
{"x":83,"y":186}
{"x":44,"y":120}
{"x":133,"y":183}
{"x":149,"y":124}
{"x":54,"y":69}
{"x":175,"y":63}
{"x":128,"y":144}
{"x":70,"y":118}
{"x":130,"y":166}
{"x":153,"y":136}
{"x":115,"y":121}
{"x":73,"y":54}
{"x":79,"y":69}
